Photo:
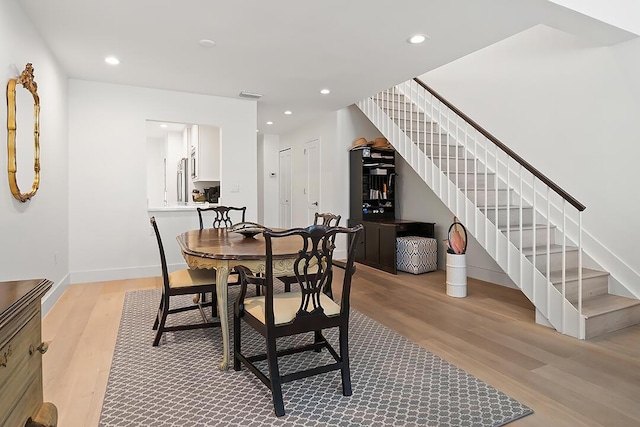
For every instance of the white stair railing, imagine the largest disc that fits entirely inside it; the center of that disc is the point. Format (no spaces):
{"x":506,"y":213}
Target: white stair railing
{"x":530,"y":226}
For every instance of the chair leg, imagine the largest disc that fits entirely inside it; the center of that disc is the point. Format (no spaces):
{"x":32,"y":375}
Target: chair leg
{"x":214,"y":304}
{"x":236,"y":342}
{"x":317,"y":339}
{"x":345,"y":371}
{"x":257,"y":290}
{"x":163,"y":319}
{"x":274,"y":376}
{"x":155,"y":323}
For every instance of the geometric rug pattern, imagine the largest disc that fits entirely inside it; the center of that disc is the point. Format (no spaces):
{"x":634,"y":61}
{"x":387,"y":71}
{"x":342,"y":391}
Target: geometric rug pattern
{"x":395,"y":382}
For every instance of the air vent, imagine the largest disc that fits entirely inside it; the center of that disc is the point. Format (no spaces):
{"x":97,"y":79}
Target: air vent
{"x":250,"y":95}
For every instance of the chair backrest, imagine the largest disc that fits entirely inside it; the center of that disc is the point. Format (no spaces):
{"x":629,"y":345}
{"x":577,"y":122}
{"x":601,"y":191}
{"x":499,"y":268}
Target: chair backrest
{"x":163,"y":259}
{"x":223,"y":218}
{"x":312,"y":270}
{"x":327,"y":219}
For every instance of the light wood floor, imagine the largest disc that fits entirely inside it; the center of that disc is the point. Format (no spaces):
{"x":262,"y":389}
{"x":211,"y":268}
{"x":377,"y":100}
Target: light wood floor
{"x":491,"y":334}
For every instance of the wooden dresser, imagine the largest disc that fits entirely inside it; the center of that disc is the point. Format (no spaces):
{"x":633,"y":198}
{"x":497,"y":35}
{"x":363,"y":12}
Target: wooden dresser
{"x":21,"y":350}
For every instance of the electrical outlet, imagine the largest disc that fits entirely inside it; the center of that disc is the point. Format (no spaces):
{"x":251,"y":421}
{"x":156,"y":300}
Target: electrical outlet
{"x":235,"y":188}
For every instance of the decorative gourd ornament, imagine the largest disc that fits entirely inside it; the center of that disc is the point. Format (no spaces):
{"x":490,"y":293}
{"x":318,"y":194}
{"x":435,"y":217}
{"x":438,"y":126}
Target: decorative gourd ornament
{"x":457,"y":238}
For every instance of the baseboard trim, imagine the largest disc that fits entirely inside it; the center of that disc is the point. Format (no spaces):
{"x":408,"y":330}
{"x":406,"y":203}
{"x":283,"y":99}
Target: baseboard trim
{"x":90,"y":276}
{"x":54,"y":294}
{"x":491,"y":276}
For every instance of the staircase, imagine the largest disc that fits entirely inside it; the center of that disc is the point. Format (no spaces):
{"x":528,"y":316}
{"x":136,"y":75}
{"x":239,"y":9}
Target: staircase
{"x":529,"y":225}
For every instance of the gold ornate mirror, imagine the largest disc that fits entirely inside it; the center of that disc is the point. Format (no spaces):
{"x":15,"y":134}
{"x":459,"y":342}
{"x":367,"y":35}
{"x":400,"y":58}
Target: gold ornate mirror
{"x":27,"y":81}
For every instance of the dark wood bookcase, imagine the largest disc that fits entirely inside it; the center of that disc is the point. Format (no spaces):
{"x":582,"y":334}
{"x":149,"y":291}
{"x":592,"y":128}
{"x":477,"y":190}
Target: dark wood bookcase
{"x":372,"y":203}
{"x":372,"y":184}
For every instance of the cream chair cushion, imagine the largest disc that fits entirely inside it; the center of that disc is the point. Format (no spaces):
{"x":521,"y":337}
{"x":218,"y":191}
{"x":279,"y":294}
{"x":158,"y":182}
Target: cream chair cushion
{"x":189,"y":277}
{"x":286,"y":305}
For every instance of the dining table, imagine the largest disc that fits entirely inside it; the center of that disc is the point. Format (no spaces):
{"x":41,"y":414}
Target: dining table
{"x":221,"y":249}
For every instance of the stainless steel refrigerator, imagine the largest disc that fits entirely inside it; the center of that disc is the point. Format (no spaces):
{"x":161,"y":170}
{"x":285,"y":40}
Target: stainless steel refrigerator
{"x":183,"y":184}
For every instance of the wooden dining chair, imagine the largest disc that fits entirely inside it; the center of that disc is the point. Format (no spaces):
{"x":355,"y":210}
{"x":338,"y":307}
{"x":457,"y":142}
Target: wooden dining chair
{"x":225,"y":216}
{"x":181,"y":282}
{"x":311,"y":310}
{"x":327,"y":219}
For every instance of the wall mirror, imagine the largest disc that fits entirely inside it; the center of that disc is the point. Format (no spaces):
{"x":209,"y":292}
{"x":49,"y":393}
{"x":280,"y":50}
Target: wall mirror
{"x":19,"y":102}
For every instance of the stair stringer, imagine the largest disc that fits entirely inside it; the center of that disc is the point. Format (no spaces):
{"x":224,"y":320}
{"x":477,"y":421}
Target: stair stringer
{"x":548,"y":300}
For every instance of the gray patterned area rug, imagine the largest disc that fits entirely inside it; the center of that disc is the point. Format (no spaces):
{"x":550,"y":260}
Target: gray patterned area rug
{"x":395,"y":382}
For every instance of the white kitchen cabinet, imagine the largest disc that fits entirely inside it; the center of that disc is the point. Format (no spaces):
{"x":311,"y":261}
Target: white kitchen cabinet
{"x":205,"y":153}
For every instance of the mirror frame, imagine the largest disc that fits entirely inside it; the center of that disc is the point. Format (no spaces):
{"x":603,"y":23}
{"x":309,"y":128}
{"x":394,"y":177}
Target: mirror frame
{"x":27,"y":81}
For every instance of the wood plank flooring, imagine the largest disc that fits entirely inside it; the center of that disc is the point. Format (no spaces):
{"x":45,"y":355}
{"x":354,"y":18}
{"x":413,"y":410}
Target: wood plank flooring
{"x":491,"y":334}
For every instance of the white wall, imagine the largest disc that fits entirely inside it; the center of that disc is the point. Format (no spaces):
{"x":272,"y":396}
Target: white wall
{"x":621,"y":13}
{"x":34,"y":234}
{"x":324,"y":129}
{"x":109,"y":228}
{"x":268,"y":183}
{"x":572,"y":112}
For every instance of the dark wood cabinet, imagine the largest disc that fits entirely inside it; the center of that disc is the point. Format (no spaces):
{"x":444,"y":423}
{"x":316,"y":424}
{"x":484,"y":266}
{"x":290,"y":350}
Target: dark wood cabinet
{"x":377,"y":245}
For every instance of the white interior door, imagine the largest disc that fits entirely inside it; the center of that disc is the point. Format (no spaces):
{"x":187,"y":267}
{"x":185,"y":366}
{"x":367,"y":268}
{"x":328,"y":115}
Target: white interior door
{"x":312,"y":190}
{"x":284,"y":193}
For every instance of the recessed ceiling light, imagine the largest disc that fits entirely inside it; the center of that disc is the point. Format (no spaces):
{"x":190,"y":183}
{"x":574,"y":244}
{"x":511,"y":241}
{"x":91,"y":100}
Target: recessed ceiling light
{"x":288,"y":112}
{"x":417,"y":39}
{"x":111,"y":60}
{"x":325,"y":91}
{"x":163,"y":125}
{"x":269,"y":123}
{"x":207,"y":43}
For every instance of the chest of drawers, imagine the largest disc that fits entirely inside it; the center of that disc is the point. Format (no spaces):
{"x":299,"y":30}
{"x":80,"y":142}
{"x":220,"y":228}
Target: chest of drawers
{"x":21,"y":350}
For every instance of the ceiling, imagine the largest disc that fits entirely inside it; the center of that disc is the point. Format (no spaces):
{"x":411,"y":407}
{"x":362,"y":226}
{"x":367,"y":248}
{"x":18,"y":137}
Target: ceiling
{"x":286,"y":50}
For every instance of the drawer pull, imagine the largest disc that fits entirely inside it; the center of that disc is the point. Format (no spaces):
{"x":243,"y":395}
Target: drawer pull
{"x":42,"y":348}
{"x":5,"y":357}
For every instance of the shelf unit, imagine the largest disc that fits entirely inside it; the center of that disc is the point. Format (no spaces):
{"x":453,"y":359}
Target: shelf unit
{"x":372,"y":203}
{"x":372,"y":184}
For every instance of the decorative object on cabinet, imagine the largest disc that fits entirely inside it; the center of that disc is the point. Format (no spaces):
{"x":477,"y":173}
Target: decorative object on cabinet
{"x":27,"y":81}
{"x":21,"y":350}
{"x":359,"y":143}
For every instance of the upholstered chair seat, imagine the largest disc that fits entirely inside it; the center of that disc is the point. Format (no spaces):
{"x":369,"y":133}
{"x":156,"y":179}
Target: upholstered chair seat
{"x":188,"y":277}
{"x":286,"y":306}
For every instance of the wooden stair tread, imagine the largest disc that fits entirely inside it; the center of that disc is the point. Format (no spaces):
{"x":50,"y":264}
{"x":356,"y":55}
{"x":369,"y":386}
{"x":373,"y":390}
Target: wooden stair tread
{"x":503,"y":207}
{"x":516,"y":228}
{"x":542,"y":250}
{"x":572,"y":274}
{"x":607,"y":303}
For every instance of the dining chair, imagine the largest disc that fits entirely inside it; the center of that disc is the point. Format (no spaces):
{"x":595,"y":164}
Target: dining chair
{"x":181,"y":282}
{"x":225,"y":216}
{"x":326,"y":219}
{"x":310,"y":310}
